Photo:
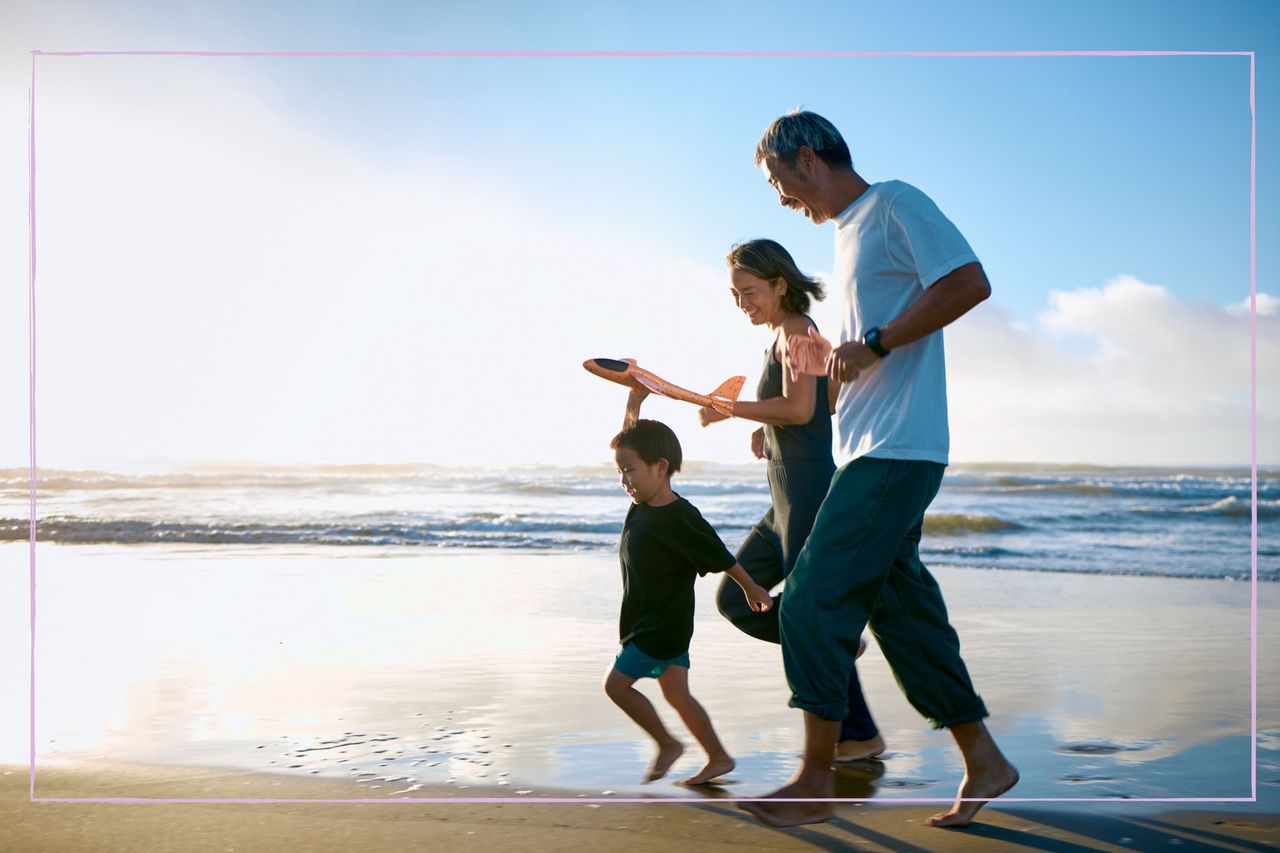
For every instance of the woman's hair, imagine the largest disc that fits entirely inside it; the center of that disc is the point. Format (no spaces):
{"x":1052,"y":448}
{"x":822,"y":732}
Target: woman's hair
{"x":766,"y":259}
{"x":651,"y":440}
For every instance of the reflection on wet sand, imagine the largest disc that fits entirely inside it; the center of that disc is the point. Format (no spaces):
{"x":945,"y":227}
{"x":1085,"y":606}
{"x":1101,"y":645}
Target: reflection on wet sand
{"x":482,"y":672}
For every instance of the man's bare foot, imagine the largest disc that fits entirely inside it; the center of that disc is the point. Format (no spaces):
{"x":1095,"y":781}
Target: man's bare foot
{"x":857,"y":750}
{"x":668,"y":754}
{"x":793,"y":814}
{"x":715,"y":767}
{"x":982,"y":787}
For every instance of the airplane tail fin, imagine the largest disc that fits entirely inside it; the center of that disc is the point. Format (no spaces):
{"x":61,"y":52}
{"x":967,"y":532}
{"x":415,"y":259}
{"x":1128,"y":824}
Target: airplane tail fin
{"x":723,"y":398}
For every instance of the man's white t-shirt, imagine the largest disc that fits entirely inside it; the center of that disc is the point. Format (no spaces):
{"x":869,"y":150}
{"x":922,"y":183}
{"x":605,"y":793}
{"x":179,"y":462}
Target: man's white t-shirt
{"x":892,"y":244}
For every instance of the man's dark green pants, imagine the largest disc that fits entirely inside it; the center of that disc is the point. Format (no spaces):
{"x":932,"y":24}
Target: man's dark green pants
{"x":861,"y":566}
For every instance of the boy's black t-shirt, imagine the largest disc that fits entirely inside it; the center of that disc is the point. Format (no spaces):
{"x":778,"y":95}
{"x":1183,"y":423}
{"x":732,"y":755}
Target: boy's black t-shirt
{"x":663,"y":549}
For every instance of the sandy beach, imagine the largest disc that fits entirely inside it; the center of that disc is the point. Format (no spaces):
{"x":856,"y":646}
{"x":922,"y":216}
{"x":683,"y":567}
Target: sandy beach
{"x":180,"y":672}
{"x":663,"y":825}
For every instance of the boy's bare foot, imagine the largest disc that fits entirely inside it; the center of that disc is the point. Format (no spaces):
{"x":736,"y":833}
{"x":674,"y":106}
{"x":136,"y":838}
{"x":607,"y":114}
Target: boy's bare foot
{"x":715,"y":767}
{"x":857,"y":750}
{"x":793,"y":814}
{"x":668,"y":754}
{"x":977,"y":790}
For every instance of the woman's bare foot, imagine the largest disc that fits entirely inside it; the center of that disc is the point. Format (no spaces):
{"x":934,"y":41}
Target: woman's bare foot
{"x":668,"y":754}
{"x":793,"y":813}
{"x":975,"y":791}
{"x":857,"y":750}
{"x":715,"y":767}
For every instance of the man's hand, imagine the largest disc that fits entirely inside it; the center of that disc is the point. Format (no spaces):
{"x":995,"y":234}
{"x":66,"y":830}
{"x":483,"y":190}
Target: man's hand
{"x":808,"y":354}
{"x":708,"y":416}
{"x":757,"y":443}
{"x":848,"y":360}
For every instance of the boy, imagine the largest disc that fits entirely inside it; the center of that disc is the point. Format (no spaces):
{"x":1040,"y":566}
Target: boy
{"x":665,"y":544}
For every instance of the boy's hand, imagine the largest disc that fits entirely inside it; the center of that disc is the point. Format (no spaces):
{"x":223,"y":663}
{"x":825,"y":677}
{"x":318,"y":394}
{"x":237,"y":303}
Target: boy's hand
{"x":758,"y":597}
{"x":757,"y":443}
{"x":634,"y":399}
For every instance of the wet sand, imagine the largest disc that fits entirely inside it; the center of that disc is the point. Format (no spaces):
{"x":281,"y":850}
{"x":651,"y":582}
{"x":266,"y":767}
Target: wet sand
{"x":170,"y":672}
{"x":660,"y":826}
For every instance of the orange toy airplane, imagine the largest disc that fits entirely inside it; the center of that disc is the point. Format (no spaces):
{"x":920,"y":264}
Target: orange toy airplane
{"x":627,"y":372}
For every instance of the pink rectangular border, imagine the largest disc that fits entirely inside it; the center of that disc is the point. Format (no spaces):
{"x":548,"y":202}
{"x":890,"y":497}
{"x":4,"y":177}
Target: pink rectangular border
{"x":1253,"y":382}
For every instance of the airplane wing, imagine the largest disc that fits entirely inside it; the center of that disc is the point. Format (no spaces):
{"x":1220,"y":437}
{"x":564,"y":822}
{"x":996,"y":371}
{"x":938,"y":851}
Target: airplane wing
{"x":650,"y":384}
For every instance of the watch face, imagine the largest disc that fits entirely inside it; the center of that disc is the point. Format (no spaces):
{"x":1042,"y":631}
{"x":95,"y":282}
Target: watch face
{"x":872,"y":341}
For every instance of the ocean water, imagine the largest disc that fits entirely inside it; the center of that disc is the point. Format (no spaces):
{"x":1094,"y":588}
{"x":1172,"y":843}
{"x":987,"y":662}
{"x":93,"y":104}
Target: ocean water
{"x":1189,"y":523}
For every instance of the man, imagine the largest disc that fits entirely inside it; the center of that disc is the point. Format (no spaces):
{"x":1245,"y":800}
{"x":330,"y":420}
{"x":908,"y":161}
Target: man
{"x":904,"y":271}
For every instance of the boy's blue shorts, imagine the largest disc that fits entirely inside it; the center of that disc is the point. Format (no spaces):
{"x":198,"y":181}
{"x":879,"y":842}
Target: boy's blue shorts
{"x":636,"y":664}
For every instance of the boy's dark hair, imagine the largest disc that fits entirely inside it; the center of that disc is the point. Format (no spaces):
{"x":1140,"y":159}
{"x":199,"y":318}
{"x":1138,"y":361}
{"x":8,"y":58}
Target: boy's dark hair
{"x":651,"y":440}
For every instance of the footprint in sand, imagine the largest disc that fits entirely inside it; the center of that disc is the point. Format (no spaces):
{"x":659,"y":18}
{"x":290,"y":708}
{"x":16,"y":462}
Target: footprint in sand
{"x":1099,"y":748}
{"x":907,"y":783}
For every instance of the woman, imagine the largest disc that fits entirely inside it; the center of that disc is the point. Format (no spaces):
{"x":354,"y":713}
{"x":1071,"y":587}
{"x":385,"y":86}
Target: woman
{"x":796,"y":439}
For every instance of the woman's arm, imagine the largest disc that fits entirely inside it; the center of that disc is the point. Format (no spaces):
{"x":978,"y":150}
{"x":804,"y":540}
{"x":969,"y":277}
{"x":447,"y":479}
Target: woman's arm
{"x":795,"y":406}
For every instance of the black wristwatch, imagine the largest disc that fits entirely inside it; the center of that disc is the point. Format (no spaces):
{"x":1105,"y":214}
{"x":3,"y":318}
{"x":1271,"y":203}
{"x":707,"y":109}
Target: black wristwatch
{"x":871,"y":340}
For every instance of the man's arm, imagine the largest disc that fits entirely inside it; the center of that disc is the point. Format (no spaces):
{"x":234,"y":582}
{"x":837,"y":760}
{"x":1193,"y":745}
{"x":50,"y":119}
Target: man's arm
{"x":947,"y":300}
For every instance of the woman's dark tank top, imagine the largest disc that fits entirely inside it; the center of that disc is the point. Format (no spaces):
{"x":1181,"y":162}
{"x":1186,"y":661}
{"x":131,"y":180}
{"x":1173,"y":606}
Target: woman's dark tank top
{"x":809,"y":441}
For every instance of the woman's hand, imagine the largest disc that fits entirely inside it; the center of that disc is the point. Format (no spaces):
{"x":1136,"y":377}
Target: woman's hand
{"x":757,"y":443}
{"x":808,"y":354}
{"x":708,"y":416}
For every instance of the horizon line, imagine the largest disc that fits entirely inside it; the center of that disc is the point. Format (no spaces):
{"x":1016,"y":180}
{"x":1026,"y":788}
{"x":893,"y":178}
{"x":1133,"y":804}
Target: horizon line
{"x":107,"y":466}
{"x":586,"y":54}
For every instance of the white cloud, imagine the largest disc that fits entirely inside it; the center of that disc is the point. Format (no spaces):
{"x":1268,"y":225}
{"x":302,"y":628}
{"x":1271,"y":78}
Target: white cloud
{"x":214,"y":282}
{"x":1123,"y":374}
{"x":1267,"y":306}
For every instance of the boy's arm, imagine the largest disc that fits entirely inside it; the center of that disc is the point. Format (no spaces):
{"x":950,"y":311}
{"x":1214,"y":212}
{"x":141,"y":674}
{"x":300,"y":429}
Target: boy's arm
{"x":634,"y":399}
{"x":757,"y":596}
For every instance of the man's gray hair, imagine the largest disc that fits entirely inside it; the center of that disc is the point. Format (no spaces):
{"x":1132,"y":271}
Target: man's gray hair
{"x":784,"y":138}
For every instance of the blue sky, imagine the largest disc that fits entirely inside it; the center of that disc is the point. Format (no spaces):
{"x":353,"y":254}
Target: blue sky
{"x":549,"y":207}
{"x":1082,"y":150}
